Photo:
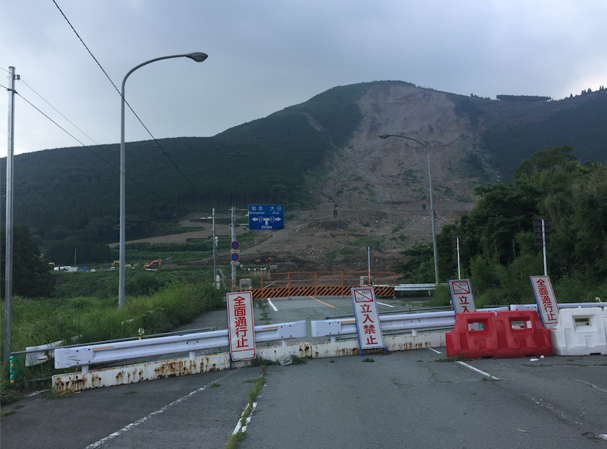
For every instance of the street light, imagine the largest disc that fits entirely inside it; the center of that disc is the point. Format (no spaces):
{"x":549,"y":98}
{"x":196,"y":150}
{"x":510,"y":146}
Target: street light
{"x":198,"y":57}
{"x":385,"y":136}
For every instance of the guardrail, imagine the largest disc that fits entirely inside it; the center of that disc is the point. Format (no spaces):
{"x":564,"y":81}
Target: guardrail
{"x":414,"y":287}
{"x":391,"y":323}
{"x":85,"y":355}
{"x":117,"y":350}
{"x":412,"y":321}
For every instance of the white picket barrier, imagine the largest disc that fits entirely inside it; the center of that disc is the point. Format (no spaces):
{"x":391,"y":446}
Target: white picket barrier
{"x":110,"y":352}
{"x":581,"y":331}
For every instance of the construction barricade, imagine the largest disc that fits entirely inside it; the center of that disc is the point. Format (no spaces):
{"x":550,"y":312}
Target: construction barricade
{"x":580,"y":332}
{"x":504,"y":334}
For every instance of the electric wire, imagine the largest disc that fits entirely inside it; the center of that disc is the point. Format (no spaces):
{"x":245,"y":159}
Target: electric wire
{"x":58,"y":112}
{"x":82,"y":144}
{"x":124,"y":99}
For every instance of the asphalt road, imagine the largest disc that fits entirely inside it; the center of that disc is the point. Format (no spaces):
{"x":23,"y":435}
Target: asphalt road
{"x":403,"y":399}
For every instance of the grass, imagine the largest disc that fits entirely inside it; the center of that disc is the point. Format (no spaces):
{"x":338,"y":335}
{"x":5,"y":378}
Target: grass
{"x":258,"y":360}
{"x":233,"y":440}
{"x":297,"y":360}
{"x":368,"y":360}
{"x":455,"y":358}
{"x":87,"y":319}
{"x":215,"y":385}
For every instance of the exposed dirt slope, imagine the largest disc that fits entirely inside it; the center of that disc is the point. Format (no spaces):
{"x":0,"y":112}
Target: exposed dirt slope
{"x":378,"y":188}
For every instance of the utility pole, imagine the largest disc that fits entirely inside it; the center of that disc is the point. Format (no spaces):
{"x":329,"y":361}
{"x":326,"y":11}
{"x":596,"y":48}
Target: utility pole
{"x":8,"y":260}
{"x":541,"y":237}
{"x":233,"y":232}
{"x":214,"y":253}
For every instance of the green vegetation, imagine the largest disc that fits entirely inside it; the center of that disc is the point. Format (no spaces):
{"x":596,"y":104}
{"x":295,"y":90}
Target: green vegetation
{"x":31,"y":276}
{"x":582,"y":127}
{"x":455,"y":358}
{"x":497,"y":249}
{"x":69,"y":195}
{"x":522,"y":98}
{"x":88,"y":319}
{"x":233,"y":440}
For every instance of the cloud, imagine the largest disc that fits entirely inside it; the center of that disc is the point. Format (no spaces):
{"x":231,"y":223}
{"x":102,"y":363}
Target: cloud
{"x":270,"y":54}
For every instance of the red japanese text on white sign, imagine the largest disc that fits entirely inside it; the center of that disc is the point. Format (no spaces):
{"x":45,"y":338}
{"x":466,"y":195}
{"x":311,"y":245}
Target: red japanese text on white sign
{"x":367,"y":319}
{"x":241,"y":327}
{"x":546,"y":301}
{"x":461,"y":296}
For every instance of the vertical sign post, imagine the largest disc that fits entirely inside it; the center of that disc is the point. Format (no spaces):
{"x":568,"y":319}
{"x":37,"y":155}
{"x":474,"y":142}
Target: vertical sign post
{"x":234,"y":259}
{"x":546,"y":301}
{"x":367,"y":319}
{"x":240,"y":325}
{"x":461,"y":296}
{"x":369,"y":249}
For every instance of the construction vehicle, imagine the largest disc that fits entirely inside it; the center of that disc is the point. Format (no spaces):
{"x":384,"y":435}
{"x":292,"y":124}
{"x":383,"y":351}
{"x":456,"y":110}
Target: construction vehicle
{"x":150,"y":266}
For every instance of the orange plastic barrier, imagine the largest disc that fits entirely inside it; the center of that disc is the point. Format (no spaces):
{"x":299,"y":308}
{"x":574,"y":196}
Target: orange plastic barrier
{"x":516,"y":333}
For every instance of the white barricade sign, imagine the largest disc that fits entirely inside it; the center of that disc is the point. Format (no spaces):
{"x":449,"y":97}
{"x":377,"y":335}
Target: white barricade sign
{"x":461,"y":296}
{"x":240,"y":325}
{"x":367,"y":320}
{"x":546,"y":301}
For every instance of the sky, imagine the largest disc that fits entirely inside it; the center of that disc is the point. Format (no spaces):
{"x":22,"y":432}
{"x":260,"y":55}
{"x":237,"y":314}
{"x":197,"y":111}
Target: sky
{"x":265,"y":55}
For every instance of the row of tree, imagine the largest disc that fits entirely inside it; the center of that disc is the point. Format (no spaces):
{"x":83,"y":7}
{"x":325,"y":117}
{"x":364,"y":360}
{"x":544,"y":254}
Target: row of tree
{"x":497,"y":243}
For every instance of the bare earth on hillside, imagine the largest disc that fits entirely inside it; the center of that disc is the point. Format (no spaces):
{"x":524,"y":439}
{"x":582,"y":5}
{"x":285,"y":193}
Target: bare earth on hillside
{"x":378,"y":189}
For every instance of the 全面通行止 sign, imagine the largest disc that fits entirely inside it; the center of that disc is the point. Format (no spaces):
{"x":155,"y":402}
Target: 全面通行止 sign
{"x":367,"y":319}
{"x":240,"y":325}
{"x":546,"y":301}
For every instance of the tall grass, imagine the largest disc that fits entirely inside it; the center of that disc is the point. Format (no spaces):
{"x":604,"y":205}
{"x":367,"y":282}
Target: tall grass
{"x":87,"y":319}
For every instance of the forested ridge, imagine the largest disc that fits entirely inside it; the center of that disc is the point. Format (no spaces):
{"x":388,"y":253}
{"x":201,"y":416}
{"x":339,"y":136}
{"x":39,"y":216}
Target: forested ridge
{"x":72,"y":194}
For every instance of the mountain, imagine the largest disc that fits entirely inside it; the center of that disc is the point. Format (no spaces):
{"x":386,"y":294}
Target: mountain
{"x":319,"y":158}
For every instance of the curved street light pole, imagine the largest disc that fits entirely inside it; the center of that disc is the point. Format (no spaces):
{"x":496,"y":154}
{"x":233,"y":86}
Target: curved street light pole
{"x":385,"y":136}
{"x":198,"y":57}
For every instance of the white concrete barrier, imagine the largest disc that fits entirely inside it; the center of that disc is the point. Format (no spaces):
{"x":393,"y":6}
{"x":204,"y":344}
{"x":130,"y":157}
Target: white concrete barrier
{"x":580,"y":331}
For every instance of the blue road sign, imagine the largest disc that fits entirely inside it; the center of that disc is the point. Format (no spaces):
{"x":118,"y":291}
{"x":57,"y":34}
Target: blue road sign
{"x":234,"y":257}
{"x":266,"y":216}
{"x":235,"y":245}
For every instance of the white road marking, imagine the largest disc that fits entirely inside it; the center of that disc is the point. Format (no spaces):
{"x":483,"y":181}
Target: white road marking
{"x":239,"y":426}
{"x":272,"y":305}
{"x":592,"y":385}
{"x":438,"y":352}
{"x":157,"y":412}
{"x":478,"y":370}
{"x":387,"y":305}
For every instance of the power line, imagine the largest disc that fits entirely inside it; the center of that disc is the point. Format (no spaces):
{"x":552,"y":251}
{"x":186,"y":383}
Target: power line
{"x":124,"y":99}
{"x":82,"y":144}
{"x":56,"y":110}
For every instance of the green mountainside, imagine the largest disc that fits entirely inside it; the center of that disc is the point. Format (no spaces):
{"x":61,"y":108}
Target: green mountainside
{"x":74,"y":192}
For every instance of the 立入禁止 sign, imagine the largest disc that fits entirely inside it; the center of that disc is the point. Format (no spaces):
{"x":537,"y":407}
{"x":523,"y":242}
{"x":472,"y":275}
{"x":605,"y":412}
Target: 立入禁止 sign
{"x":240,"y":325}
{"x":367,"y":319}
{"x":461,"y":296}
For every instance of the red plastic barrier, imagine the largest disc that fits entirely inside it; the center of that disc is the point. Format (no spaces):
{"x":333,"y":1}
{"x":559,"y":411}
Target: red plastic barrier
{"x":516,"y":333}
{"x":523,"y":334}
{"x":462,"y":340}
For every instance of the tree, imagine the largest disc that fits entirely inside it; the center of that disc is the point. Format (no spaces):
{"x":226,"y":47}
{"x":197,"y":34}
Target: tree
{"x":31,"y":275}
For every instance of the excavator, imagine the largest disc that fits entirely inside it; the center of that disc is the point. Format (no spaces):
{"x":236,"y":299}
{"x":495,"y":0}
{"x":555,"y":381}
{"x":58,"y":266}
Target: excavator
{"x":150,"y":266}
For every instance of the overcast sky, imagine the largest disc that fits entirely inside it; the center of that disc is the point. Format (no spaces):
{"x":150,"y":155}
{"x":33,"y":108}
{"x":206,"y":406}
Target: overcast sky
{"x":265,"y":55}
